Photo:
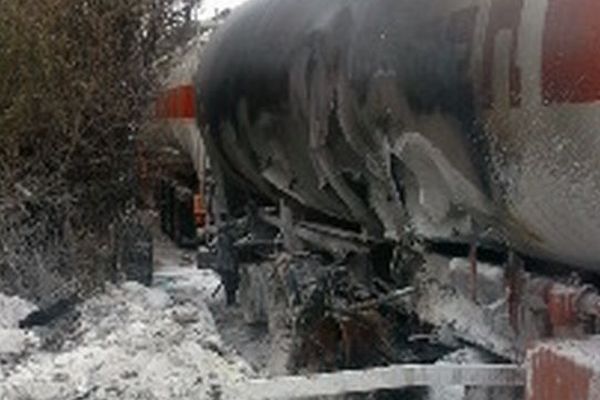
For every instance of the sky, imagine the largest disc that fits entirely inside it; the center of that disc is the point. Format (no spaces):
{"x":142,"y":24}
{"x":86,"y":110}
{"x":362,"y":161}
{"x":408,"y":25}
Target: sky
{"x":208,"y":8}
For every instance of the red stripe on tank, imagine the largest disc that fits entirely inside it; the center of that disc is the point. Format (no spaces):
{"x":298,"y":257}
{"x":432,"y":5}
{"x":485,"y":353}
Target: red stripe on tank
{"x":177,"y":103}
{"x":571,"y":52}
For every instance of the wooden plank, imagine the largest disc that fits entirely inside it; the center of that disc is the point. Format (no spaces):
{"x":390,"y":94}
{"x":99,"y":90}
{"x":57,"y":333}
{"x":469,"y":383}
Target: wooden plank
{"x":393,"y":377}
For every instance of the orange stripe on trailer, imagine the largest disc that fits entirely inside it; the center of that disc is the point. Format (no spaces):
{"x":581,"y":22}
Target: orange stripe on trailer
{"x":177,"y":103}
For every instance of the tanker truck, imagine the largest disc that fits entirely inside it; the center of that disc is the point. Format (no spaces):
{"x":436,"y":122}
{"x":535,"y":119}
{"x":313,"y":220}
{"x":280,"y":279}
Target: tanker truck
{"x":453,"y":120}
{"x":466,"y":131}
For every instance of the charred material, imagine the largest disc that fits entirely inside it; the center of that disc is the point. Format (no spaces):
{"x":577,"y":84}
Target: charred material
{"x":54,"y":311}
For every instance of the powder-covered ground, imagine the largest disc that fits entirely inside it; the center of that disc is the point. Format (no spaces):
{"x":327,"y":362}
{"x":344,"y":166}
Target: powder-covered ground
{"x":130,"y":343}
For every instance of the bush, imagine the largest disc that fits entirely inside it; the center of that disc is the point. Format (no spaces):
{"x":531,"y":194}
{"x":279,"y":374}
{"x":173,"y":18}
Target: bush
{"x":76,"y":79}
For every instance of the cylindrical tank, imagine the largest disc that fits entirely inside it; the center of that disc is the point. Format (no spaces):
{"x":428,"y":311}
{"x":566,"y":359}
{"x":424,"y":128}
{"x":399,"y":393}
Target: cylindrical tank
{"x":452,"y":119}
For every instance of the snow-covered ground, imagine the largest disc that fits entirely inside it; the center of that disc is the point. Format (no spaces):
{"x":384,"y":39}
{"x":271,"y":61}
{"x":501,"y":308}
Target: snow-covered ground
{"x":131,"y":342}
{"x":13,"y":341}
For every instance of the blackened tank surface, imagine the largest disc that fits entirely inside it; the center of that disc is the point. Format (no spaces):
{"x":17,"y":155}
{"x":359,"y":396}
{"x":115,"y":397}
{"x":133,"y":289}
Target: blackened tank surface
{"x":444,"y":117}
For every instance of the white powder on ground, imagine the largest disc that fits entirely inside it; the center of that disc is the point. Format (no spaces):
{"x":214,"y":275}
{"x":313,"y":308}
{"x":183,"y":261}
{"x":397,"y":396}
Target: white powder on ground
{"x":136,"y":343}
{"x":12,"y":310}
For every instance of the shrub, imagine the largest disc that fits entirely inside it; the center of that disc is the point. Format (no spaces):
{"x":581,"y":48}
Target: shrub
{"x":76,"y":79}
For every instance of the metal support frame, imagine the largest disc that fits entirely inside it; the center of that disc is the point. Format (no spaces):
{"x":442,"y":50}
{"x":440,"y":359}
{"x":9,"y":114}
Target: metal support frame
{"x":392,"y":377}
